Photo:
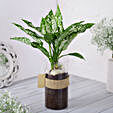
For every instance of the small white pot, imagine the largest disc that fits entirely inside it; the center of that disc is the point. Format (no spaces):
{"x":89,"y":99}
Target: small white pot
{"x":110,"y":75}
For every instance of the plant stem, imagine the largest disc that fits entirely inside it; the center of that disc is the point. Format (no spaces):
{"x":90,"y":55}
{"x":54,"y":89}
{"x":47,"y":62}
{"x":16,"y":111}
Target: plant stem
{"x":52,"y":66}
{"x":50,"y":50}
{"x":112,"y":54}
{"x":51,"y":59}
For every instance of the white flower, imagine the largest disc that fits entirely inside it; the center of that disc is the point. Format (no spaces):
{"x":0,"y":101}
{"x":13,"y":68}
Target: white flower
{"x":8,"y":104}
{"x":102,"y":34}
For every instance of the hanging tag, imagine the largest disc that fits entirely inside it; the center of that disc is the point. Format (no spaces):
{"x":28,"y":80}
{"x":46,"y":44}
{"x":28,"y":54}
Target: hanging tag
{"x":41,"y":80}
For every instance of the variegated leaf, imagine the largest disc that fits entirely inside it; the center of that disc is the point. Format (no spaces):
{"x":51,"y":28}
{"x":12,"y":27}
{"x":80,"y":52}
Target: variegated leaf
{"x":22,"y":39}
{"x":41,"y":48}
{"x":42,"y":26}
{"x":31,"y":33}
{"x":31,"y":25}
{"x":58,"y":17}
{"x":74,"y":54}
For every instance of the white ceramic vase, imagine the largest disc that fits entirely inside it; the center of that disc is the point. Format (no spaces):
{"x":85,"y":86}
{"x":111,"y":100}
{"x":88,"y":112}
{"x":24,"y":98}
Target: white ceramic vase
{"x":110,"y":75}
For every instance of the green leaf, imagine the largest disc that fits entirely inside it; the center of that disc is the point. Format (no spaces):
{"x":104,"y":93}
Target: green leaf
{"x":68,"y":39}
{"x":58,"y":17}
{"x":82,"y":28}
{"x":22,"y":39}
{"x":74,"y":54}
{"x":41,"y":48}
{"x":42,"y":26}
{"x":49,"y":38}
{"x":70,"y":33}
{"x":89,"y":25}
{"x":31,"y":25}
{"x":31,"y":33}
{"x":64,"y":45}
{"x":67,"y":32}
{"x":50,"y":23}
{"x":50,"y":19}
{"x":19,"y":26}
{"x":34,"y":36}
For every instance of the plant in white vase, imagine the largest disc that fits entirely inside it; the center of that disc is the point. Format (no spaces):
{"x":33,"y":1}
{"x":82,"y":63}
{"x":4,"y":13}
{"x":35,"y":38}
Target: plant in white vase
{"x":102,"y":36}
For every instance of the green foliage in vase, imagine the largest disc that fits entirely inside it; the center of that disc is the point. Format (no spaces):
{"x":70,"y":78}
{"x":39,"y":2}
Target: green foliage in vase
{"x":52,"y":32}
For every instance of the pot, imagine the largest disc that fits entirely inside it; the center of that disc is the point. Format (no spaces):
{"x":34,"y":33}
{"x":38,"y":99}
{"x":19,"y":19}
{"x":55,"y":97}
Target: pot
{"x":110,"y":75}
{"x":56,"y":91}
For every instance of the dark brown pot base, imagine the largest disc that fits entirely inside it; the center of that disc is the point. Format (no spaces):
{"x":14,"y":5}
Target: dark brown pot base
{"x":56,"y":99}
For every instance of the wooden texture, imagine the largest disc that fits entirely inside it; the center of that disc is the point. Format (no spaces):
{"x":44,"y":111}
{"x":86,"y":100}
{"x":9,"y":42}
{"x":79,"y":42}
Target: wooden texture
{"x":85,"y":96}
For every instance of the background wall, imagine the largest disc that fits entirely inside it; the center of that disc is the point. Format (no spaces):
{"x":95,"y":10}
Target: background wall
{"x":32,"y":61}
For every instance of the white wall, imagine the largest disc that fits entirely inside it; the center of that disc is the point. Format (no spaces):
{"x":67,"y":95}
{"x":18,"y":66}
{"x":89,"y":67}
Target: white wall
{"x":73,"y":10}
{"x":95,"y":66}
{"x":12,"y":11}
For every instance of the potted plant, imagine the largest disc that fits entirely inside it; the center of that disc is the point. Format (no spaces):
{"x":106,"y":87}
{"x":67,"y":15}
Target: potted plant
{"x":52,"y":32}
{"x":102,"y":36}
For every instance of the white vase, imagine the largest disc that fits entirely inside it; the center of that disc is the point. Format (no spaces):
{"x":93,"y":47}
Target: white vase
{"x":110,"y":75}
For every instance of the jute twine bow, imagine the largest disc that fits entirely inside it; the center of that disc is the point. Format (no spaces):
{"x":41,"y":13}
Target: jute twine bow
{"x":52,"y":84}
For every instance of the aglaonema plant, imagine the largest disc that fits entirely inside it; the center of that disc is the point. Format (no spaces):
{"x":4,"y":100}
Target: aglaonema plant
{"x":52,"y":32}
